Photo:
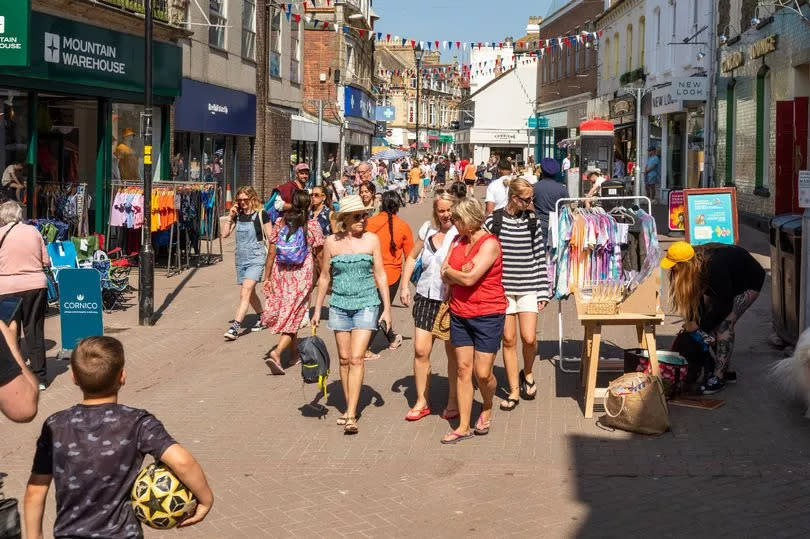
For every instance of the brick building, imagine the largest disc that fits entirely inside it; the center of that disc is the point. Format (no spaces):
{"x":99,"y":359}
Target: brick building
{"x":566,"y":73}
{"x":763,"y":90}
{"x":279,"y":45}
{"x":339,"y":69}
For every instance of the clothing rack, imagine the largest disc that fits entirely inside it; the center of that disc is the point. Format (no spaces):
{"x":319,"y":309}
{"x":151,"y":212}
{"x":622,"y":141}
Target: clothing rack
{"x":560,"y":358}
{"x":202,"y":237}
{"x":77,"y":197}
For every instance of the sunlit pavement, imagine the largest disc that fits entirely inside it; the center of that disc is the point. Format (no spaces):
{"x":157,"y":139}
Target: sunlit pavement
{"x":280,"y":468}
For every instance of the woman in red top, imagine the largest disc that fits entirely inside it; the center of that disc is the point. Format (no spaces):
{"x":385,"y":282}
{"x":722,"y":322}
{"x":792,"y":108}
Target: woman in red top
{"x":473,"y":269}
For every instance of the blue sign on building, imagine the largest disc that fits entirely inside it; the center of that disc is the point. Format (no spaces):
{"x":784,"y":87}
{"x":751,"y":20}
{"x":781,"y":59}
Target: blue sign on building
{"x":207,"y":108}
{"x":80,"y":305}
{"x":386,"y":114}
{"x":359,"y":104}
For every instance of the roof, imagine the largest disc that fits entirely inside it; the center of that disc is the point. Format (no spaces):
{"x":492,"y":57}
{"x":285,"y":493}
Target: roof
{"x":490,"y":83}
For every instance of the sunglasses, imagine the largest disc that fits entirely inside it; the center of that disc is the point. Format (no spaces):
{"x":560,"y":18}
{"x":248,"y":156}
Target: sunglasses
{"x":359,"y":216}
{"x":525,"y":200}
{"x":242,"y":199}
{"x":317,"y":194}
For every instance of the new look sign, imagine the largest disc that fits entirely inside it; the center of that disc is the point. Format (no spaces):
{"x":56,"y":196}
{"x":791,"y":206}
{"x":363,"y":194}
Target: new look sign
{"x":15,"y":22}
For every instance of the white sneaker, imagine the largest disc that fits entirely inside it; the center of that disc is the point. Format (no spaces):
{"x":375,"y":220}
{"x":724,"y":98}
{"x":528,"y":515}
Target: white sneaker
{"x":258,"y":326}
{"x":42,"y":387}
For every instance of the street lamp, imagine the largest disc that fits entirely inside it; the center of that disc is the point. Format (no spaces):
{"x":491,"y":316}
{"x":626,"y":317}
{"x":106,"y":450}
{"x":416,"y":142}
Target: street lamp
{"x":418,"y":53}
{"x":146,"y":263}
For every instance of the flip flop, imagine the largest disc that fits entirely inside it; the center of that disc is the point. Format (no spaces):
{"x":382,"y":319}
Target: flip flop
{"x":525,"y":386}
{"x":341,"y":421}
{"x":416,"y":415}
{"x":350,"y":428}
{"x":456,"y":437}
{"x":482,"y":427}
{"x":511,"y":404}
{"x":397,"y":343}
{"x":275,"y":367}
{"x":447,"y":415}
{"x":371,"y":356}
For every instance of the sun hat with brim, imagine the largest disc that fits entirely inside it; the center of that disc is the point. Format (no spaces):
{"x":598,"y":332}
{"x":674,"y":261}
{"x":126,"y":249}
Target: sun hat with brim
{"x":680,"y":251}
{"x":351,"y":204}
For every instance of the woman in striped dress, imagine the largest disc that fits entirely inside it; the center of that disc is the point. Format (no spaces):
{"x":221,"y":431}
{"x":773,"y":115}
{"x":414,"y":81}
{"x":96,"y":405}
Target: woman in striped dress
{"x":525,"y":281}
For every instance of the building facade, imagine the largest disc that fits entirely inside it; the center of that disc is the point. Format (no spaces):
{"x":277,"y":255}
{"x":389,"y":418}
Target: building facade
{"x":73,"y":116}
{"x":566,"y":74}
{"x":214,"y":120}
{"x":763,"y":90}
{"x":280,"y":44}
{"x":339,"y":70}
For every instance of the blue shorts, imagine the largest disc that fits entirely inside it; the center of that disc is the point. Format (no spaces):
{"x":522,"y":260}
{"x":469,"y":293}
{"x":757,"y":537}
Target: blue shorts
{"x":253,"y":272}
{"x":347,"y":320}
{"x":483,"y":333}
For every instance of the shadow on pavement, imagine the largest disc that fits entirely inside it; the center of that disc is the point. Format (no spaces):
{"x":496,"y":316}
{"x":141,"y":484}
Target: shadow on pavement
{"x":173,"y":294}
{"x":335,"y":399}
{"x":56,"y":367}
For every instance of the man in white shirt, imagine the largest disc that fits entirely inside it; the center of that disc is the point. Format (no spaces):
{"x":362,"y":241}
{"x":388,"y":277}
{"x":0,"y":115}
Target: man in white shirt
{"x":498,"y":190}
{"x":566,"y":164}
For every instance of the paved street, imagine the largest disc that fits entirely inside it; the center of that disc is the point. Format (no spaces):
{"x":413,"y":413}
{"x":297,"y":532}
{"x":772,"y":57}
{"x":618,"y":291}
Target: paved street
{"x":280,"y":468}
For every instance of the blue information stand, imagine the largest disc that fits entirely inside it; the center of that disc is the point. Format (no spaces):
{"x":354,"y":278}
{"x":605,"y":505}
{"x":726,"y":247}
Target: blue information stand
{"x":80,"y":305}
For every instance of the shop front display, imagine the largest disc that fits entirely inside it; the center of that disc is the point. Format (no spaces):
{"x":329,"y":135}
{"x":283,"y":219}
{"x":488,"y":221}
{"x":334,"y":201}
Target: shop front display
{"x":75,"y":114}
{"x":214,"y":135}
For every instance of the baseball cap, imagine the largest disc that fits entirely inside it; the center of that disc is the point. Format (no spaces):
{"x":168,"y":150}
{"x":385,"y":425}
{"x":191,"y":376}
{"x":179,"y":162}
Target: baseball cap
{"x":301,"y":166}
{"x":680,"y":251}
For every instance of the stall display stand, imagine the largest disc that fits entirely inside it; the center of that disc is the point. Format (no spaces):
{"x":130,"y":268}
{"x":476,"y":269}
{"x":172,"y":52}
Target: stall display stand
{"x":640,"y":310}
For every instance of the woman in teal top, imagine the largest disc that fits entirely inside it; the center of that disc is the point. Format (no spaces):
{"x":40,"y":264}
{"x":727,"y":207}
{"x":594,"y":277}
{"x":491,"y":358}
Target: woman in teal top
{"x":352,"y":264}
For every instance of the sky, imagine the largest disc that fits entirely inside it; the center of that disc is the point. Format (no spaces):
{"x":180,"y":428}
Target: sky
{"x":457,"y":20}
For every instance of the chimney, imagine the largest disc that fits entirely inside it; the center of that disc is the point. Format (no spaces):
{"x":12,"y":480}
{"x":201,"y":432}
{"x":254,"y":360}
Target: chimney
{"x":534,"y":25}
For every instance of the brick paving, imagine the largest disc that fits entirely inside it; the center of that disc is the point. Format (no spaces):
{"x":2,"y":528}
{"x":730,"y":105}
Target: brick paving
{"x":280,"y":468}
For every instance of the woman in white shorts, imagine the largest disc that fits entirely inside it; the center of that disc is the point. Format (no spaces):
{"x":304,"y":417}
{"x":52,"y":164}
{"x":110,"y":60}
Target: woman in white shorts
{"x":525,"y":280}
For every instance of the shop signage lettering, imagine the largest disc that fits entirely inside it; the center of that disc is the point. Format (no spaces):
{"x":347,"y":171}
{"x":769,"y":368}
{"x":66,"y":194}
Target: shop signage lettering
{"x":214,"y":108}
{"x":81,"y":53}
{"x":504,"y":136}
{"x":80,"y":305}
{"x":689,"y":89}
{"x":762,"y":47}
{"x":14,"y":32}
{"x":663,"y":102}
{"x":732,"y":61}
{"x":622,"y":106}
{"x":100,"y":59}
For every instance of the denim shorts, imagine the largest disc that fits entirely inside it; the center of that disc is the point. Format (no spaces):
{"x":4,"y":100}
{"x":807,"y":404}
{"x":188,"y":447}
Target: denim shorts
{"x":483,"y":333}
{"x":347,"y":320}
{"x":251,"y":271}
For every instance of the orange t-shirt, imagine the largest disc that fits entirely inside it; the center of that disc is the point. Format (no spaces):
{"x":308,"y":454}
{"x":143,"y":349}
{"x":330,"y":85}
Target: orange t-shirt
{"x":403,"y":242}
{"x":470,"y":172}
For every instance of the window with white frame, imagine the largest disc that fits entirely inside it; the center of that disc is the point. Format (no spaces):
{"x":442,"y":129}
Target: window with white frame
{"x":433,"y":114}
{"x":216,"y":32}
{"x":295,"y":52}
{"x":350,"y":60}
{"x":274,"y":45}
{"x":249,"y":29}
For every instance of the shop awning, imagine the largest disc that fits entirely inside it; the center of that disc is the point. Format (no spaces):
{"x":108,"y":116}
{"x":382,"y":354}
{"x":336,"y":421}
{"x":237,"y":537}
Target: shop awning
{"x":305,"y":129}
{"x":568,"y":143}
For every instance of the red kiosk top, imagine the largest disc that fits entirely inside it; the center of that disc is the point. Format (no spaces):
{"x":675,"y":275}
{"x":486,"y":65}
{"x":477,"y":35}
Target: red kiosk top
{"x":596,"y":126}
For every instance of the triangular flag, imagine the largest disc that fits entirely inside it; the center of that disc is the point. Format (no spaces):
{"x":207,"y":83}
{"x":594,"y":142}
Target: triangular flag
{"x":437,"y":44}
{"x":315,"y":23}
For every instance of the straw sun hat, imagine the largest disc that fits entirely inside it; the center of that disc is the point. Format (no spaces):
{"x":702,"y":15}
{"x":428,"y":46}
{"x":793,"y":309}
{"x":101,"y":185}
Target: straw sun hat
{"x":351,"y":204}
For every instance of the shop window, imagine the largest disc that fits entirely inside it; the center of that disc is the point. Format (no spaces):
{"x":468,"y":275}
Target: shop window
{"x":629,"y":48}
{"x":274,"y":48}
{"x":14,"y":130}
{"x":216,"y":15}
{"x":763,"y":127}
{"x":731,"y":114}
{"x":295,"y":52}
{"x":127,"y":122}
{"x":195,"y":157}
{"x":249,"y":29}
{"x":642,"y":31}
{"x":180,"y":157}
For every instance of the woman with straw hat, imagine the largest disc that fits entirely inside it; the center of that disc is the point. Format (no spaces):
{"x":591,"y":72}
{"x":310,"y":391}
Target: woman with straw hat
{"x":353,"y":266}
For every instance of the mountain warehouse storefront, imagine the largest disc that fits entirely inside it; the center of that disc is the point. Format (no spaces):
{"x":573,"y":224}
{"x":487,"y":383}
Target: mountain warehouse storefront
{"x":75,"y":115}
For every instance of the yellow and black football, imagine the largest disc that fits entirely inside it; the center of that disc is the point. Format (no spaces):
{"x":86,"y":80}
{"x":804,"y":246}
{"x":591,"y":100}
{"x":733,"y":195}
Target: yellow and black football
{"x":160,"y":500}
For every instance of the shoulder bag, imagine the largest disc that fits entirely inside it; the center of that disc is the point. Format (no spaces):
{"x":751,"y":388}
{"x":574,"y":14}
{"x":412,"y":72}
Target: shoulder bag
{"x":10,"y":526}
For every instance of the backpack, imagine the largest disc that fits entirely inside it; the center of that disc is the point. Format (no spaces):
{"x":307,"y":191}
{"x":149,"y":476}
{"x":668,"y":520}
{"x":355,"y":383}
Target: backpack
{"x":292,"y":249}
{"x":497,"y":224}
{"x":314,"y":361}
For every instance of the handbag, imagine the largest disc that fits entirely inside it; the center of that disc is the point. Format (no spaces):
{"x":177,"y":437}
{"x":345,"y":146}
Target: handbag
{"x":441,"y":324}
{"x":635,"y":402}
{"x":10,"y":527}
{"x":417,"y":269}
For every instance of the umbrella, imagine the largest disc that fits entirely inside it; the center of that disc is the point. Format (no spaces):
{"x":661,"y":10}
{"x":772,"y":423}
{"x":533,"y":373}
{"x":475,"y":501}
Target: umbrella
{"x":389,"y":154}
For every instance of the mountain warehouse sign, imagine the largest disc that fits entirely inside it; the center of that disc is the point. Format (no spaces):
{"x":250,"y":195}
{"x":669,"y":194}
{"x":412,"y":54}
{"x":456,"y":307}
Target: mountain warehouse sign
{"x":98,"y":59}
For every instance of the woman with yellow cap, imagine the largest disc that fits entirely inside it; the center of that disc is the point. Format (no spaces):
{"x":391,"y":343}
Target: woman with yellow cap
{"x":711,"y":286}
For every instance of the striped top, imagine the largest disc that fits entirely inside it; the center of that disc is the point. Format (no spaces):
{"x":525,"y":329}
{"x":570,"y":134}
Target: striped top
{"x":524,"y":269}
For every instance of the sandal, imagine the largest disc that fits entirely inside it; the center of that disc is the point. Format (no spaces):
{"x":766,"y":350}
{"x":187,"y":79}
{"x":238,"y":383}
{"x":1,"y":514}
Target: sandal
{"x":351,"y":426}
{"x":448,"y":414}
{"x":416,"y":415}
{"x":525,"y":386}
{"x":396,"y":343}
{"x":371,"y":356}
{"x":275,"y":366}
{"x":509,"y":404}
{"x":482,"y":427}
{"x":341,"y":421}
{"x":454,"y":437}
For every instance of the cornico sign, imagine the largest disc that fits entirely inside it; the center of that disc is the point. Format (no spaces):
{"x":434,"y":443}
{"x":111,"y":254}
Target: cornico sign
{"x":80,"y":305}
{"x":15,"y":22}
{"x":63,"y":50}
